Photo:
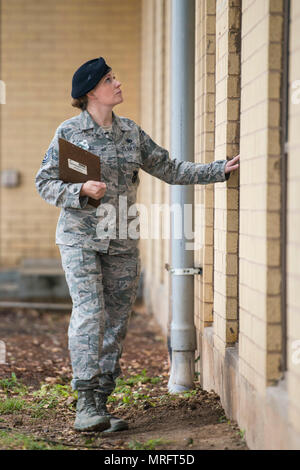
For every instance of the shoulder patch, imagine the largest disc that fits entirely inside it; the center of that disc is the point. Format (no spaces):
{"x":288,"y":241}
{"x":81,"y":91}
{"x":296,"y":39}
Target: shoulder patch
{"x":46,"y":157}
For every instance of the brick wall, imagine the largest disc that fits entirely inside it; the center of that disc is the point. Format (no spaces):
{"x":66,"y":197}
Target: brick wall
{"x":147,"y":112}
{"x":238,"y":228}
{"x":204,"y":153}
{"x":260,"y":347}
{"x":155,"y":120}
{"x":226,"y":214}
{"x":42,"y":44}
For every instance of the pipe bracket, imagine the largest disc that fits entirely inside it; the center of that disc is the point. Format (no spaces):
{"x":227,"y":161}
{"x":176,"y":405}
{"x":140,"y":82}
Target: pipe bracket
{"x":183,"y":271}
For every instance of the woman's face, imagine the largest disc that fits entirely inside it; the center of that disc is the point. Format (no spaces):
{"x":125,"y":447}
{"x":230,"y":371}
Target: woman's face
{"x":107,"y":92}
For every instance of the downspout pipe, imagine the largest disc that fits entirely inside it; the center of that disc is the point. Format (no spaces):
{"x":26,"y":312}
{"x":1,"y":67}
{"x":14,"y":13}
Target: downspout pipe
{"x":182,"y":329}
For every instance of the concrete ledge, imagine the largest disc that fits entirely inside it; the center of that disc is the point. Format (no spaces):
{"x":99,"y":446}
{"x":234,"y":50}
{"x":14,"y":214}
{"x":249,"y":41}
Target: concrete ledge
{"x":38,"y":281}
{"x":264,"y":418}
{"x":34,"y":281}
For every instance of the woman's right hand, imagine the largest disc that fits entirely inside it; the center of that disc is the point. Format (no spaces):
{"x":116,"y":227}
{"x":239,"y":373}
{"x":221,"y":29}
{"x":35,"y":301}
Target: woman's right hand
{"x":93,"y":189}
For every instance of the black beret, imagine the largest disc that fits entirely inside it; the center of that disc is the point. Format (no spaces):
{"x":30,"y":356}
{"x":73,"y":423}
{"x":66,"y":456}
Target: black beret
{"x":87,"y":76}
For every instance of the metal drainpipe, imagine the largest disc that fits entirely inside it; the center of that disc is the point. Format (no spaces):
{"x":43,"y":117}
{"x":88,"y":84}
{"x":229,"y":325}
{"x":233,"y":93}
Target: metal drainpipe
{"x":182,"y":334}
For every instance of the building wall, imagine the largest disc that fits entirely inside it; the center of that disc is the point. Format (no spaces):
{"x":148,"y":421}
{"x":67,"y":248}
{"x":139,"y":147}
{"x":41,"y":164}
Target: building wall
{"x":204,"y":153}
{"x":226,"y":216}
{"x":293,"y":223}
{"x":155,"y":120}
{"x":247,"y":369}
{"x":239,"y":315}
{"x":260,"y":193}
{"x":42,"y":44}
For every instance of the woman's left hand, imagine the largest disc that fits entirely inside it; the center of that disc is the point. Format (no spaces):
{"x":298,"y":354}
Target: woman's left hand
{"x":232,"y":164}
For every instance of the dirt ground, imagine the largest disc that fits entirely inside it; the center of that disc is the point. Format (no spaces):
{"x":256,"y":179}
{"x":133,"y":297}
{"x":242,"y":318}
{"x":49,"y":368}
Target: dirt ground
{"x":37,"y":406}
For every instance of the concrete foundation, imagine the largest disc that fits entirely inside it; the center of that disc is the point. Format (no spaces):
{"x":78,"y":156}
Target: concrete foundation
{"x":264,"y":418}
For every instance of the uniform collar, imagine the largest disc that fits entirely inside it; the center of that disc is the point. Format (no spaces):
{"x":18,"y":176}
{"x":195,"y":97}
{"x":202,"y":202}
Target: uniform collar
{"x":87,"y":122}
{"x":120,"y":123}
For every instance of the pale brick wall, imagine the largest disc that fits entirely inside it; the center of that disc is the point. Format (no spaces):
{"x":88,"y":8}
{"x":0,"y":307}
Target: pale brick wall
{"x":155,"y":120}
{"x":226,"y":195}
{"x":204,"y":153}
{"x":42,"y":44}
{"x":259,"y":338}
{"x":293,"y":223}
{"x":158,"y":123}
{"x":147,"y":110}
{"x":166,"y":134}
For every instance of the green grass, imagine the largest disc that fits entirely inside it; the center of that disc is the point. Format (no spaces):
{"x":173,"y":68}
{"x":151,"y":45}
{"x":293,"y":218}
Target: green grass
{"x":12,"y":385}
{"x":126,"y":394}
{"x":11,"y":405}
{"x":54,"y":391}
{"x":134,"y":390}
{"x":151,"y":444}
{"x":53,"y":394}
{"x":136,"y":379}
{"x":40,"y":403}
{"x":241,"y":434}
{"x":49,"y":397}
{"x":128,"y":397}
{"x":188,"y":393}
{"x":17,"y":440}
{"x":222,"y":419}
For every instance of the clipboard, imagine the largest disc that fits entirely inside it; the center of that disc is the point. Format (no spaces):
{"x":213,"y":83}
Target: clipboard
{"x":77,"y":165}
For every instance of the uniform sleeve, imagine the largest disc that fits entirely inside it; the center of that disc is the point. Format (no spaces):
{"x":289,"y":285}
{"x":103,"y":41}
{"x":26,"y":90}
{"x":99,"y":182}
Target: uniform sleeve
{"x":157,"y":162}
{"x":50,"y":187}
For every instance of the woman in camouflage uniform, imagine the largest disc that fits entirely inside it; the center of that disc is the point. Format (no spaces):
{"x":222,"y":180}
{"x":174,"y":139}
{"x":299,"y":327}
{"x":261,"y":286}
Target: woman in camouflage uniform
{"x":102,"y":268}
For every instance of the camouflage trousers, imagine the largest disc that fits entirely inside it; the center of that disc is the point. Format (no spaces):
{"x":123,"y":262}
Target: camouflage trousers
{"x":103,"y":289}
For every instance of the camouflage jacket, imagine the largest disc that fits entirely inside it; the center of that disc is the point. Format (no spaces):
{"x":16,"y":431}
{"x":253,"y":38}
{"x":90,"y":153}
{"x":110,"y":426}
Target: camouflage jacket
{"x":123,"y":151}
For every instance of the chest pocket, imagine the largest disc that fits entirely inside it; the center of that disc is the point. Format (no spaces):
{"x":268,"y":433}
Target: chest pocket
{"x":129,"y":167}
